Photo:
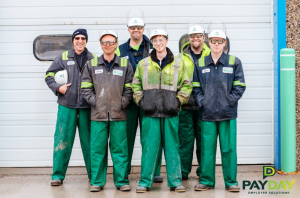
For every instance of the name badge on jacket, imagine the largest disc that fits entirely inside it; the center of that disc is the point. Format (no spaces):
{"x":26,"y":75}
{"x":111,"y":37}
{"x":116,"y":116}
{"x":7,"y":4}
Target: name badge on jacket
{"x":228,"y":70}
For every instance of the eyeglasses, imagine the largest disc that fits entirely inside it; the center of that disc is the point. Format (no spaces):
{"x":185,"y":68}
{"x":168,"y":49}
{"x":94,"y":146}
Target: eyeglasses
{"x":78,"y":38}
{"x":196,"y":35}
{"x":110,"y":43}
{"x":159,"y":40}
{"x":219,"y":41}
{"x":136,"y":27}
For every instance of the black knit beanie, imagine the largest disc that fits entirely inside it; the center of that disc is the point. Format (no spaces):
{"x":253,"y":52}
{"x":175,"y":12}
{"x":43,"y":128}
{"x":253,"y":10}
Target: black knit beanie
{"x":80,"y":31}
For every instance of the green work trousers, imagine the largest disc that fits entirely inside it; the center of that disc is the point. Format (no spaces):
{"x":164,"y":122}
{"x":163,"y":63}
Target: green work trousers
{"x":189,"y":129}
{"x":135,"y":115}
{"x":67,"y":121}
{"x":227,"y":137}
{"x":158,"y":133}
{"x":116,"y":131}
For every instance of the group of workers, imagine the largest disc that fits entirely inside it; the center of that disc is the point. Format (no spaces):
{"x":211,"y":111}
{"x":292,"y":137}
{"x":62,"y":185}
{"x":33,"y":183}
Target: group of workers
{"x":176,"y":100}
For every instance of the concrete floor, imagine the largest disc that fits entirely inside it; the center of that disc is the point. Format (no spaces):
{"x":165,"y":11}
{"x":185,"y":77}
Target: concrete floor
{"x":30,"y":182}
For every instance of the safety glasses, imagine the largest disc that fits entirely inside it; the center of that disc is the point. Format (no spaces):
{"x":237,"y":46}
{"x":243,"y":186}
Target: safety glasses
{"x":196,"y":36}
{"x":219,"y":41}
{"x":78,"y":38}
{"x":136,"y":27}
{"x":110,"y":43}
{"x":158,"y":40}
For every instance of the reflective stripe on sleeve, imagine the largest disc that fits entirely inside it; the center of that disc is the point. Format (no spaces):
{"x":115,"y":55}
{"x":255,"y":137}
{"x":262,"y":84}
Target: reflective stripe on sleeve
{"x":86,"y":85}
{"x":50,"y":74}
{"x":236,"y":83}
{"x":196,"y":84}
{"x":127,"y":85}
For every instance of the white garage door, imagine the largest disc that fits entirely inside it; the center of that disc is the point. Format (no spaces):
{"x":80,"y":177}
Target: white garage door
{"x":28,"y":108}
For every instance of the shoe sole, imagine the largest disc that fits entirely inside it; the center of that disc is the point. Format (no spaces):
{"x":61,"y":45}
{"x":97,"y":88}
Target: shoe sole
{"x":201,"y":189}
{"x":55,"y":184}
{"x":95,"y":190}
{"x":141,"y":191}
{"x":179,"y":190}
{"x":234,"y":190}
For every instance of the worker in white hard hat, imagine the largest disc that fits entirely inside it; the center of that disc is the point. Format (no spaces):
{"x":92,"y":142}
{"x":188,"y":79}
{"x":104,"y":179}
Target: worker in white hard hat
{"x":160,"y":85}
{"x":218,"y":84}
{"x":189,"y":124}
{"x":106,"y":86}
{"x":135,"y":49}
{"x":64,"y":78}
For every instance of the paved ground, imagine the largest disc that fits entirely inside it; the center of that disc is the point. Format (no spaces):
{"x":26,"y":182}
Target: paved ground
{"x":31,"y":183}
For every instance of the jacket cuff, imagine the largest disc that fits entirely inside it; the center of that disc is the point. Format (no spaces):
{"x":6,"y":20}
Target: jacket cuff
{"x":56,"y":90}
{"x":231,"y":101}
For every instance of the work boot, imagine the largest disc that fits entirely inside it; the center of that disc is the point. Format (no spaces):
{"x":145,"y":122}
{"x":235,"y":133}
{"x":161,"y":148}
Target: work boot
{"x":124,"y":188}
{"x":201,"y":187}
{"x":158,"y":179}
{"x":95,"y":188}
{"x":233,"y":188}
{"x":178,"y":189}
{"x":56,"y":182}
{"x":141,"y":189}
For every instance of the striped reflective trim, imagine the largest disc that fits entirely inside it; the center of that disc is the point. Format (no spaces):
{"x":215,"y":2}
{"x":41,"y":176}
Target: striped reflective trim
{"x":123,"y":62}
{"x":94,"y":61}
{"x":201,"y":62}
{"x":231,"y":60}
{"x":65,"y":55}
{"x":236,"y":83}
{"x":50,"y":74}
{"x":117,"y":51}
{"x":196,"y":84}
{"x":127,"y":85}
{"x":86,"y":85}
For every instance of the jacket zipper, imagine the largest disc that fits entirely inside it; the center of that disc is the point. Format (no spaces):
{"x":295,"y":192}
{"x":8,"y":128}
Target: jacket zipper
{"x":80,"y":71}
{"x":109,"y":70}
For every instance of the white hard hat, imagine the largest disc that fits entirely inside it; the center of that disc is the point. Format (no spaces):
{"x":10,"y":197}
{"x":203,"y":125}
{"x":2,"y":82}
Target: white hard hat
{"x":158,"y":32}
{"x":135,"y":22}
{"x":61,"y":77}
{"x":217,"y":33}
{"x":195,"y":29}
{"x":108,"y":32}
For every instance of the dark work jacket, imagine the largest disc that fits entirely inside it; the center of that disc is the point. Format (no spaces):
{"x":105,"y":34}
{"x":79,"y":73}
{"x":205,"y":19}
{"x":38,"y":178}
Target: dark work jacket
{"x":134,"y":57}
{"x":108,"y":91}
{"x":73,"y":96}
{"x":217,"y":88}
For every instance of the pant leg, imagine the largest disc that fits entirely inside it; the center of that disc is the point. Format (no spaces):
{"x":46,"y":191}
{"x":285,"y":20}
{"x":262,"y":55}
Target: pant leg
{"x":151,"y":150}
{"x":99,"y":139}
{"x":157,"y":169}
{"x":171,"y":148}
{"x":227,"y":136}
{"x":186,"y":140}
{"x":84,"y":128}
{"x":197,"y":131}
{"x":209,"y":136}
{"x":132,"y":124}
{"x":63,"y":140}
{"x":119,"y":152}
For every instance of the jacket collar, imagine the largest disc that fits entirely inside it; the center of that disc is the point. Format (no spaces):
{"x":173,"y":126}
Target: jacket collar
{"x":170,"y":56}
{"x":221,"y":60}
{"x":145,"y":40}
{"x":101,"y":60}
{"x":71,"y":54}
